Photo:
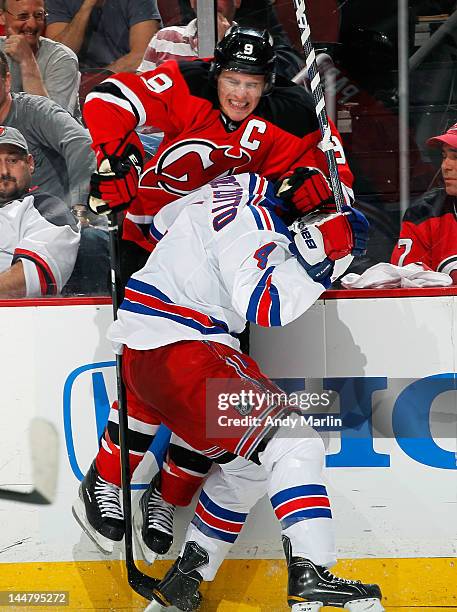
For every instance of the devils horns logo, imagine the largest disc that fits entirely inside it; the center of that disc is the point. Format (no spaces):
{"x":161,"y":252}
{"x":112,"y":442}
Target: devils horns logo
{"x":187,"y":165}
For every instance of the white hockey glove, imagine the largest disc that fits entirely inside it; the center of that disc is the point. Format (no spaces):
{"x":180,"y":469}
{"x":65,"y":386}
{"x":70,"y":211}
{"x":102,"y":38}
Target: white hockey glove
{"x":326,"y":246}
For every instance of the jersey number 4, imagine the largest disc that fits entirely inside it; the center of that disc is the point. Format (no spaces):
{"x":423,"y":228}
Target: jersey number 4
{"x":263,"y":253}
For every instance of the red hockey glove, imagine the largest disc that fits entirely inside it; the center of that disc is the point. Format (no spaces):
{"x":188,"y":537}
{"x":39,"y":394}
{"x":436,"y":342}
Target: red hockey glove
{"x":331,"y":238}
{"x":307,"y":189}
{"x":115,"y":184}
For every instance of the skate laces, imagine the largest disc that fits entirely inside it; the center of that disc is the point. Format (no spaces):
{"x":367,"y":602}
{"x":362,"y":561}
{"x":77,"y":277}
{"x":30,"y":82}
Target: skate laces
{"x":160,"y":513}
{"x":327,"y":574}
{"x":107,"y":496}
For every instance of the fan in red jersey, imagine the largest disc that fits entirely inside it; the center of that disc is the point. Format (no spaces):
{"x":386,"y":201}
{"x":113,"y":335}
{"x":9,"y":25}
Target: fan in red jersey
{"x":223,"y":116}
{"x":429,"y":229}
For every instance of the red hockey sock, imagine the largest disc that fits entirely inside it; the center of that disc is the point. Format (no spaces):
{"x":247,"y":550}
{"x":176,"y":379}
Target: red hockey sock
{"x":178,"y":487}
{"x":108,"y":460}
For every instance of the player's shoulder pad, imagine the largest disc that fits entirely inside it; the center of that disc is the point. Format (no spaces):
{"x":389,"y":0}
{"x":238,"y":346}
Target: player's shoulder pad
{"x":290,"y":107}
{"x":53,"y":209}
{"x":431,"y":204}
{"x":195,"y":73}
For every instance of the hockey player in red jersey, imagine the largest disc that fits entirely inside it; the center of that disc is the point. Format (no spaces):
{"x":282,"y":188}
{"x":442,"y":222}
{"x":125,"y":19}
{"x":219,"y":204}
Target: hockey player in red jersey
{"x":429,"y":229}
{"x":220,"y":117}
{"x":225,"y":257}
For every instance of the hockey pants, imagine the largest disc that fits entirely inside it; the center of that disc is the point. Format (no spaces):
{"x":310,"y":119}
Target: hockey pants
{"x":289,"y":464}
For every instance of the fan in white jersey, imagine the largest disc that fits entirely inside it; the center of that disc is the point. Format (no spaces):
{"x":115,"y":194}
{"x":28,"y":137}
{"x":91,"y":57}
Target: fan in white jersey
{"x":38,"y":235}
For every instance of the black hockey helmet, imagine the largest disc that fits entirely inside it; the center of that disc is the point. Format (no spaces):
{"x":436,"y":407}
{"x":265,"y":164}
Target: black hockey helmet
{"x":247,"y":50}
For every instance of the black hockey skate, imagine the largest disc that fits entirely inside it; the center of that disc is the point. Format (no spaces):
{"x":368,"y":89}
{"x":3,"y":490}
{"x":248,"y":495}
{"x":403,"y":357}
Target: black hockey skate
{"x":98,"y":510}
{"x":312,"y":587}
{"x":153,"y":522}
{"x":179,"y":587}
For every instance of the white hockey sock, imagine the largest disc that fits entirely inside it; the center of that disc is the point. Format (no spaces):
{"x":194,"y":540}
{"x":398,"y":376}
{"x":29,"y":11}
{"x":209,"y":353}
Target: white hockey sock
{"x":298,"y":493}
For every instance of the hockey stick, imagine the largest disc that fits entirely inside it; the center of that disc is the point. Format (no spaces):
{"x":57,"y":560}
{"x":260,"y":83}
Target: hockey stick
{"x":141,"y":583}
{"x":318,"y":95}
{"x":44,"y":445}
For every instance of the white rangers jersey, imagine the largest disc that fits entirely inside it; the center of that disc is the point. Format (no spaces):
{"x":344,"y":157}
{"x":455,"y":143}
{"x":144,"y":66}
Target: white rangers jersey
{"x":224,"y":257}
{"x":40,"y":231}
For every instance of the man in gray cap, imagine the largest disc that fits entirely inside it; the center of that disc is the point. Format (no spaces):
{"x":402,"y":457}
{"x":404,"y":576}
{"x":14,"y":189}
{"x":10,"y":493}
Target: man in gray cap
{"x":39,"y":238}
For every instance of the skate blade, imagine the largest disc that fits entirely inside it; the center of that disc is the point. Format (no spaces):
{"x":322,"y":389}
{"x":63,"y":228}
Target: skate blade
{"x":155,"y":606}
{"x":313,"y":606}
{"x":364,"y":605}
{"x":148,"y":555}
{"x":104,"y":544}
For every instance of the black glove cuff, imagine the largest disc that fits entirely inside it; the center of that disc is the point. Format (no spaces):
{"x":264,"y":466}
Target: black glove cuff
{"x":131,"y":157}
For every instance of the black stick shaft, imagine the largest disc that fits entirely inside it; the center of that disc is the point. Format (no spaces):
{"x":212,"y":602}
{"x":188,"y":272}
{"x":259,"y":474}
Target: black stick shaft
{"x":123,"y":417}
{"x":141,"y":583}
{"x":319,"y":102}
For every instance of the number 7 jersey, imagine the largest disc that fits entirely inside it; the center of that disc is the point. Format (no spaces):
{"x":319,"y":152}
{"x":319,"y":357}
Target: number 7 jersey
{"x":200,"y":143}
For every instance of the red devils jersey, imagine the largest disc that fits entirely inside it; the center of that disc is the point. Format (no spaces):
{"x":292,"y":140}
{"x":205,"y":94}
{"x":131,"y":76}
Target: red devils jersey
{"x":429,"y":233}
{"x":200,"y":144}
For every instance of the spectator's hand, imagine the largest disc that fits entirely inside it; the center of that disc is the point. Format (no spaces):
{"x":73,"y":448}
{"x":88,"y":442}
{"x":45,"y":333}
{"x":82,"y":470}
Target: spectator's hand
{"x":80,"y":213}
{"x":115,"y":184}
{"x":17,"y":47}
{"x":307,"y":189}
{"x":331,"y":238}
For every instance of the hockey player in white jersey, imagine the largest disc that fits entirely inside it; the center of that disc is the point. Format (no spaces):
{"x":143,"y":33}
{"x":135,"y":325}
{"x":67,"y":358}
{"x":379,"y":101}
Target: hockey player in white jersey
{"x":225,"y":257}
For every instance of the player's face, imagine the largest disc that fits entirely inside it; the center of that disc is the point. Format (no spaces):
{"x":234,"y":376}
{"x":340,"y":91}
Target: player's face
{"x":26,"y":17}
{"x":449,"y":169}
{"x":16,"y":169}
{"x":239,"y":93}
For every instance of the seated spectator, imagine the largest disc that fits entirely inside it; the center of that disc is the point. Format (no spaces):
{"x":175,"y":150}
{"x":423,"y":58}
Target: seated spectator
{"x":104,"y":34}
{"x":181,"y":42}
{"x":261,"y":14}
{"x":59,"y":144}
{"x":37,"y":64}
{"x":39,"y":238}
{"x":429,"y":230}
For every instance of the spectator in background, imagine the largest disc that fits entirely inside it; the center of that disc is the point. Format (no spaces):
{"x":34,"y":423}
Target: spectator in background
{"x":181,"y":42}
{"x":259,"y":14}
{"x":429,"y":230}
{"x":60,"y":145}
{"x":111,"y":34}
{"x":38,"y":65}
{"x":39,"y":237}
{"x":262,"y":14}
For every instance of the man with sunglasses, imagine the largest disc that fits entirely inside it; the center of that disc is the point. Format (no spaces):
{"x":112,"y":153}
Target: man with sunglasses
{"x":38,"y":65}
